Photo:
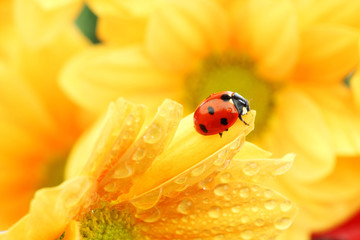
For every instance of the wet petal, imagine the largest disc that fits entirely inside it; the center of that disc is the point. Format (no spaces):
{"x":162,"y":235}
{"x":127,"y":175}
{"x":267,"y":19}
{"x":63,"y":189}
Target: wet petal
{"x":207,"y":155}
{"x":328,"y":54}
{"x":274,"y":21}
{"x":100,"y":75}
{"x":40,"y":20}
{"x":295,"y":121}
{"x":67,"y":198}
{"x":227,"y":210}
{"x":182,"y":32}
{"x":139,"y":157}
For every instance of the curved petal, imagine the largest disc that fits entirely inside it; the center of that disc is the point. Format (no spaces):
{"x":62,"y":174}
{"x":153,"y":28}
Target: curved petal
{"x":182,"y":32}
{"x":268,"y":32}
{"x":355,"y":88}
{"x":128,"y":30}
{"x":177,"y":161}
{"x":328,"y":54}
{"x":226,"y":210}
{"x":60,"y":204}
{"x":334,"y":12}
{"x":298,"y":126}
{"x":101,"y":75}
{"x":40,"y":20}
{"x":340,"y":115}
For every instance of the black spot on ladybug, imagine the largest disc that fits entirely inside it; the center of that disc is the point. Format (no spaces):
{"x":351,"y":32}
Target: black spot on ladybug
{"x":225,"y":97}
{"x":224,"y":121}
{"x":211,"y":110}
{"x":203,"y":128}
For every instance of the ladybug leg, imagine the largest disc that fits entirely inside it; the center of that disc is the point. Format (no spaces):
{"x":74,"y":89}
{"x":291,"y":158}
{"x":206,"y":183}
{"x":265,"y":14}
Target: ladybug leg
{"x":243,"y":120}
{"x":221,"y":133}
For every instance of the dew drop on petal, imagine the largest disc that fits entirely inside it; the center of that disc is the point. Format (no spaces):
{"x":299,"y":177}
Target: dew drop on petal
{"x":282,"y":169}
{"x":245,"y":219}
{"x":150,"y":216}
{"x":225,"y":177}
{"x":214,"y":212}
{"x":259,"y":222}
{"x":244,"y":192}
{"x":122,"y":172}
{"x":221,"y":189}
{"x":139,"y":154}
{"x":148,"y":200}
{"x":153,"y":134}
{"x":251,"y":168}
{"x":180,"y":180}
{"x":268,"y":194}
{"x":247,"y":234}
{"x":221,"y":158}
{"x":270,"y":204}
{"x":236,"y":209}
{"x":286,"y":205}
{"x":110,"y":187}
{"x":282,"y":223}
{"x":197,"y":171}
{"x":185,"y":206}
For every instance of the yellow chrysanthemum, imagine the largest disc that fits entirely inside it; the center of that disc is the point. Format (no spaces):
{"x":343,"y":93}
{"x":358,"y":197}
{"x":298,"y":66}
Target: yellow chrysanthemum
{"x":38,"y":124}
{"x":164,"y":181}
{"x":289,"y":58}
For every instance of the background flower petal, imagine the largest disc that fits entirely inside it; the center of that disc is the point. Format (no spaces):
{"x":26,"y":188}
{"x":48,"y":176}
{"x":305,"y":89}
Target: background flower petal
{"x":355,"y":88}
{"x":182,"y":32}
{"x":298,"y":126}
{"x":275,"y":21}
{"x":38,"y":20}
{"x":328,"y":54}
{"x":101,"y":75}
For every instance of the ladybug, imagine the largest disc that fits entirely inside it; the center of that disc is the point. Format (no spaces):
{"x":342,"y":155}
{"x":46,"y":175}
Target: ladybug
{"x":220,"y":111}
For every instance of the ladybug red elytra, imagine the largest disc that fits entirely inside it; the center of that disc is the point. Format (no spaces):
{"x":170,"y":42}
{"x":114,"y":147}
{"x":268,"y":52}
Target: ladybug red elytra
{"x":220,"y":111}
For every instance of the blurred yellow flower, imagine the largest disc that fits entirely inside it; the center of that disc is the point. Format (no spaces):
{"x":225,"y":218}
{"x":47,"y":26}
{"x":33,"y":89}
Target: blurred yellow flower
{"x":164,"y":181}
{"x":289,"y":58}
{"x":38,"y":124}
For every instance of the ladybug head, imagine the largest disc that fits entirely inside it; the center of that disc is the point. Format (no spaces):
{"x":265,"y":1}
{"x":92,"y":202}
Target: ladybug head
{"x":240,"y":103}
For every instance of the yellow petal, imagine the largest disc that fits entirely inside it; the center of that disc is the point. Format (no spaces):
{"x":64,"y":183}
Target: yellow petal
{"x":299,"y":127}
{"x":295,"y":233}
{"x":111,"y":135}
{"x":335,"y":12}
{"x":206,"y":156}
{"x":340,"y":115}
{"x":355,"y":88}
{"x":230,"y":210}
{"x":52,"y":209}
{"x":257,"y":20}
{"x":39,"y":21}
{"x":182,"y":32}
{"x":128,"y":30}
{"x":328,"y":54}
{"x":101,"y":75}
{"x":139,"y":157}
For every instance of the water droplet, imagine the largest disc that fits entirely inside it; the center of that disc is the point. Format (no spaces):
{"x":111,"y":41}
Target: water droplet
{"x":282,"y":169}
{"x":247,"y":234}
{"x":197,"y":171}
{"x":225,"y":177}
{"x":244,"y":192}
{"x":251,"y":168}
{"x":148,"y":200}
{"x":268,"y":194}
{"x":150,"y":216}
{"x":286,"y":205}
{"x":129,"y":120}
{"x":236,"y":144}
{"x":236,"y":209}
{"x":214,"y":212}
{"x":221,"y":158}
{"x":255,"y":209}
{"x":270,"y":204}
{"x":245,"y":219}
{"x":139,"y":154}
{"x":203,"y":184}
{"x":110,"y":187}
{"x":221,"y":189}
{"x":122,"y":171}
{"x":180,"y":180}
{"x":259,"y":222}
{"x":219,"y":237}
{"x":179,"y":231}
{"x":185,"y":206}
{"x":282,"y":223}
{"x":153,"y":134}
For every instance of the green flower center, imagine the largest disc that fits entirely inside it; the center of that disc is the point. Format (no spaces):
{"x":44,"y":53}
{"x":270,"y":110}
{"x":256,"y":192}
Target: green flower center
{"x":109,"y":223}
{"x":231,"y":72}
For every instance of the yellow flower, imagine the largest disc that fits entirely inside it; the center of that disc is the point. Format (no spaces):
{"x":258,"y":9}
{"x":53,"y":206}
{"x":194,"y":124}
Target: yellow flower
{"x":38,"y":124}
{"x":289,"y":58}
{"x":164,"y":181}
